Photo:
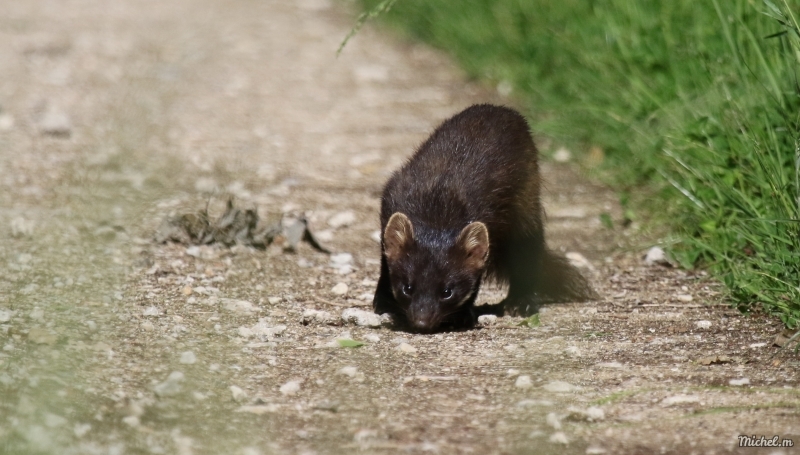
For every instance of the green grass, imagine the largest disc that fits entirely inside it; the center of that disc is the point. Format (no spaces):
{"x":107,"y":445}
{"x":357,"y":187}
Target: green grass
{"x":693,"y":102}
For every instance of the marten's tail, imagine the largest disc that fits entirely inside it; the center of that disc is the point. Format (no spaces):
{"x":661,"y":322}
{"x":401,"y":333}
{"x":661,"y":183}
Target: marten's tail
{"x":560,"y":281}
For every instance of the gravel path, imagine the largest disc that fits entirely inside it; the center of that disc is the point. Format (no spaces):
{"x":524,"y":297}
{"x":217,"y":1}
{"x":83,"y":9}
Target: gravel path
{"x":114,"y":115}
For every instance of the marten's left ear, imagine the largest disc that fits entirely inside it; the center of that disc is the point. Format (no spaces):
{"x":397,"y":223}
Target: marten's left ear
{"x":474,"y":242}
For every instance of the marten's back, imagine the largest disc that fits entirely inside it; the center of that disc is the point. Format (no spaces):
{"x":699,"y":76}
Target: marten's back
{"x":480,"y":165}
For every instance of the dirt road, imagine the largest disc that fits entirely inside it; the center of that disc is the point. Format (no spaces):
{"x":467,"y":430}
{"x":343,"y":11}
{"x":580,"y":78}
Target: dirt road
{"x":115,"y":114}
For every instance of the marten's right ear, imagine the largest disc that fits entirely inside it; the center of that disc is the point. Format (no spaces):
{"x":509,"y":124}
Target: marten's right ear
{"x":473,"y":241}
{"x":398,"y":236}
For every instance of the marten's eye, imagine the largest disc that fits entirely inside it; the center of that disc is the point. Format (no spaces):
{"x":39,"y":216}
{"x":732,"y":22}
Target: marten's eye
{"x":447,"y":293}
{"x":407,"y":290}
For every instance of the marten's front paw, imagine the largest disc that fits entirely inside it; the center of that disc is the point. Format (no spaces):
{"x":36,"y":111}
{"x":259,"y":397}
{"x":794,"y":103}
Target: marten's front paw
{"x":524,"y":306}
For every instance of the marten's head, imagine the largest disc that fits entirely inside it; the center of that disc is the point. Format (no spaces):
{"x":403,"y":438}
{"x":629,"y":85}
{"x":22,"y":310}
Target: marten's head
{"x":434,"y":273}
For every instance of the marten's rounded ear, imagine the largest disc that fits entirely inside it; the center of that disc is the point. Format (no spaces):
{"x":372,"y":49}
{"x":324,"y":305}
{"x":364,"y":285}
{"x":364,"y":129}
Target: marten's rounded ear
{"x":398,"y":236}
{"x":474,"y":242}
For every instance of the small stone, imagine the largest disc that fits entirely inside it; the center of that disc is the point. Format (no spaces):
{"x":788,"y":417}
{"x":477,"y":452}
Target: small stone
{"x":680,"y":399}
{"x":407,"y":348}
{"x":562,"y":155}
{"x":151,"y":311}
{"x":131,"y":421}
{"x":739,"y":382}
{"x":512,"y":372}
{"x":81,"y":429}
{"x":245,"y":332}
{"x":595,"y":450}
{"x":340,"y":289}
{"x":656,"y":256}
{"x":559,"y":438}
{"x":372,"y":337}
{"x":340,"y":259}
{"x":55,"y":123}
{"x":573,"y":351}
{"x":237,"y":393}
{"x":239,"y":306}
{"x":560,"y":387}
{"x":752,"y":346}
{"x":188,"y":358}
{"x":523,"y":382}
{"x":187,"y":290}
{"x":361,"y":317}
{"x":684,"y":297}
{"x":6,"y":122}
{"x":37,"y":314}
{"x":22,"y":227}
{"x":171,"y":386}
{"x":260,"y":409}
{"x":591,"y":414}
{"x":317,"y":317}
{"x":349,"y":371}
{"x":40,"y":335}
{"x":274,"y":300}
{"x":487,"y":319}
{"x":527,"y":403}
{"x":147,"y":326}
{"x":703,"y":324}
{"x":375,"y":236}
{"x":579,"y":261}
{"x":342,"y":219}
{"x":264,"y":330}
{"x":553,"y":420}
{"x":6,"y":315}
{"x":291,"y":387}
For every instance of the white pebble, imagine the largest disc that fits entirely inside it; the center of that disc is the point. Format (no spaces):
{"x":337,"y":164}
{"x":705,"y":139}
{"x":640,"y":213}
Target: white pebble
{"x":291,"y":387}
{"x":171,"y":386}
{"x":553,"y":420}
{"x":361,"y":317}
{"x":679,"y":399}
{"x":340,"y":289}
{"x":684,"y":297}
{"x":579,"y":261}
{"x":372,"y":337}
{"x":523,"y":382}
{"x":572,"y":351}
{"x":317,"y":316}
{"x":739,"y":382}
{"x":239,"y":306}
{"x":342,"y":219}
{"x":237,"y":393}
{"x":656,"y":255}
{"x":407,"y":348}
{"x":703,"y":324}
{"x":562,"y":155}
{"x":188,"y":358}
{"x":559,"y":438}
{"x":274,"y":300}
{"x":349,"y":371}
{"x":560,"y":387}
{"x":376,"y":236}
{"x":340,"y":259}
{"x":487,"y":319}
{"x":131,"y":421}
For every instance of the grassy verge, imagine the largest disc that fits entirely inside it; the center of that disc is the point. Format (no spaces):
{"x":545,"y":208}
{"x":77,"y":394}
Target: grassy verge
{"x":697,"y":101}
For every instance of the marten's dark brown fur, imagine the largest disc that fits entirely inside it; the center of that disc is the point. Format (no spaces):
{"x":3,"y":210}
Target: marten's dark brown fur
{"x":464,"y":208}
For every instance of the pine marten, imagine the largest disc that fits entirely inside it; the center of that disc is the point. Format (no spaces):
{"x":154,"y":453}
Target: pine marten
{"x":463,"y":209}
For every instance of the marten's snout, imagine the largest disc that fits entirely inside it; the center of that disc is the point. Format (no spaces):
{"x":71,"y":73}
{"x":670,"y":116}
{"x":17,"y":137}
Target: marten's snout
{"x":423,"y":319}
